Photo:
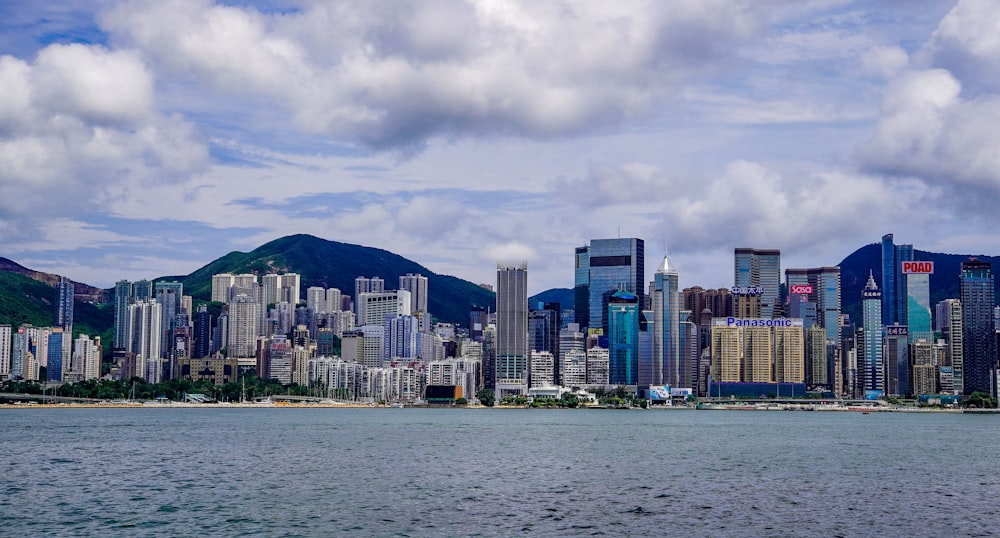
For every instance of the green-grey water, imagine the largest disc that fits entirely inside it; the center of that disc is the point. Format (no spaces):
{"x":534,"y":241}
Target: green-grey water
{"x":456,"y":472}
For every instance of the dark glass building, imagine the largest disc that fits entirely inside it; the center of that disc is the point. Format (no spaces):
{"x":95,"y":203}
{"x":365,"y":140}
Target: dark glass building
{"x":980,"y":345}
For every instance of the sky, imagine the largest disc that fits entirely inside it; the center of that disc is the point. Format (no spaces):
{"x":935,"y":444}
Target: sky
{"x":141,"y":139}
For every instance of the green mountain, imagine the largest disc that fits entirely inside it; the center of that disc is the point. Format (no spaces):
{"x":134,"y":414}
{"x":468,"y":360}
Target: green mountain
{"x":563,"y":296}
{"x":943,"y":282}
{"x":331,"y":264}
{"x":27,"y":300}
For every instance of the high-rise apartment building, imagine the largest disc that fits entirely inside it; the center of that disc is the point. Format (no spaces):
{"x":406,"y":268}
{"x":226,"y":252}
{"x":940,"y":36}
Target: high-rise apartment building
{"x":373,"y":307}
{"x":220,"y":286}
{"x":5,"y":343}
{"x":949,"y":322}
{"x":366,"y":285}
{"x":978,"y":333}
{"x":241,"y":333}
{"x":417,"y":286}
{"x":202,"y":333}
{"x":284,"y":288}
{"x":64,"y":305}
{"x":333,"y":300}
{"x":145,"y":329}
{"x":760,"y":268}
{"x":316,"y":299}
{"x":512,"y":330}
{"x":925,"y":373}
{"x":603,"y":268}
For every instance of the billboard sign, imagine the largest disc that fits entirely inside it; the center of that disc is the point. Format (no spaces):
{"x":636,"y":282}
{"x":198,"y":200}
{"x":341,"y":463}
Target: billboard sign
{"x":758,"y":322}
{"x":918,"y":268}
{"x":800,"y":289}
{"x":747,"y":290}
{"x":897,"y":330}
{"x":871,"y":294}
{"x":659,"y":392}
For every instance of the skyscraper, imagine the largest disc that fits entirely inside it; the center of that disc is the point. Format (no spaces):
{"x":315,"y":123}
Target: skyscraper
{"x":871,"y":372}
{"x":949,"y":319}
{"x":820,"y":286}
{"x":543,"y":333}
{"x":896,"y":355}
{"x":512,"y":330}
{"x":123,"y":298}
{"x":667,"y":365}
{"x":241,"y":332}
{"x":202,"y":333}
{"x":168,"y":295}
{"x":57,"y":359}
{"x":613,"y":265}
{"x":5,"y":342}
{"x":581,"y":286}
{"x":64,"y":305}
{"x":220,"y":286}
{"x":145,"y":329}
{"x":916,"y":275}
{"x":888,"y":280}
{"x":760,"y":268}
{"x":623,"y":338}
{"x":979,"y":339}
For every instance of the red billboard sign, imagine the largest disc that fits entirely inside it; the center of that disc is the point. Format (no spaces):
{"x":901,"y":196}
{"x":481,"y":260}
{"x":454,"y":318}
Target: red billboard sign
{"x":800,"y":289}
{"x":918,"y":268}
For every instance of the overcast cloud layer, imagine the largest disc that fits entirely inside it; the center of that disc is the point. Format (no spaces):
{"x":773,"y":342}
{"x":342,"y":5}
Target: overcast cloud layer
{"x":140,"y":139}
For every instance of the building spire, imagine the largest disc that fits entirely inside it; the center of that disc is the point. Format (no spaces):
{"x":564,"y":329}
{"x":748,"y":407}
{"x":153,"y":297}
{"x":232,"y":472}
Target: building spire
{"x":666,"y":267}
{"x":871,"y":281}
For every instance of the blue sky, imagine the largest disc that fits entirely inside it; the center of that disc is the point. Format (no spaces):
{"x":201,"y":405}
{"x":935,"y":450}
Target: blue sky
{"x":141,"y":139}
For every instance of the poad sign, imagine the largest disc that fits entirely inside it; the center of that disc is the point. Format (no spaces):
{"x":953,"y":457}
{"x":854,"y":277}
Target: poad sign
{"x":918,"y":268}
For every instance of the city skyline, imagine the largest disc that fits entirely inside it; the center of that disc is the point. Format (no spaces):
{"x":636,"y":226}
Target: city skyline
{"x":153,"y":138}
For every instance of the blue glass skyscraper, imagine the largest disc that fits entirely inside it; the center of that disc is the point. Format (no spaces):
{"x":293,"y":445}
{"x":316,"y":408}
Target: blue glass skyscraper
{"x":894,"y":301}
{"x":623,"y":338}
{"x":888,"y":280}
{"x":615,"y":264}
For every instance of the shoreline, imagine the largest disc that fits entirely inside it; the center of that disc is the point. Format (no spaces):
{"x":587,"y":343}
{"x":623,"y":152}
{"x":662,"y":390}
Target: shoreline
{"x":343,"y":405}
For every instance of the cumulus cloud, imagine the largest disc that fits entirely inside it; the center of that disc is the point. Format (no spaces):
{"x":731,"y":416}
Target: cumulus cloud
{"x":391,"y":74}
{"x":930,"y":131}
{"x":76,"y":123}
{"x":967,"y":43}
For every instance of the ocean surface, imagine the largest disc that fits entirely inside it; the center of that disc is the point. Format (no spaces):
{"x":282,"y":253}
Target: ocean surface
{"x":492,"y":472}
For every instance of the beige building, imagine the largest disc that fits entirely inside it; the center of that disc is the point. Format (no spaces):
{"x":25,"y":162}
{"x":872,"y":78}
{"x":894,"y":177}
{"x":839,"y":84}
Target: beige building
{"x":756,"y":350}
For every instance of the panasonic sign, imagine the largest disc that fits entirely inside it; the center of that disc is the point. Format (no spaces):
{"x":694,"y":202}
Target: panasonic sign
{"x":758,"y":322}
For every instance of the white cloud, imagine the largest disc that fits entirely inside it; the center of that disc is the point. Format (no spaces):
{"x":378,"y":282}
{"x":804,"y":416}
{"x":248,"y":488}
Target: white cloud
{"x":967,"y":43}
{"x":397,"y":74}
{"x":884,"y":61}
{"x":930,"y":131}
{"x":79,"y":121}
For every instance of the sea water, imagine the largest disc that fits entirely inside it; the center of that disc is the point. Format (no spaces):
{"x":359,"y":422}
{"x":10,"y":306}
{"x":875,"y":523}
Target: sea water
{"x":496,"y":472}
